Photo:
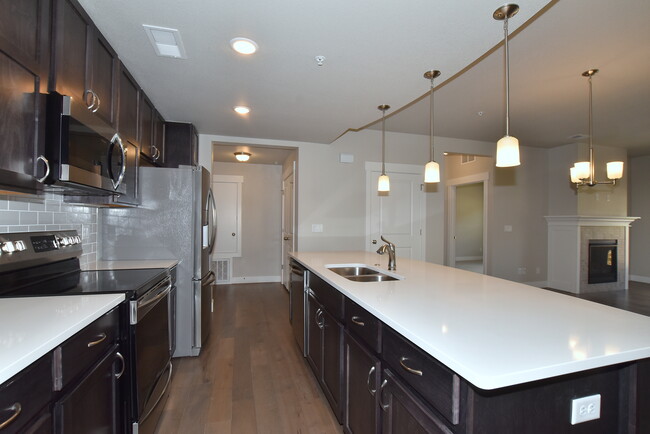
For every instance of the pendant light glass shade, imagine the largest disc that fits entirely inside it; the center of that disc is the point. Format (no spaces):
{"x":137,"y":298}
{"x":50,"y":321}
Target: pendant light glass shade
{"x":508,"y":152}
{"x":432,"y":172}
{"x":507,"y":146}
{"x":574,"y":174}
{"x":615,"y":169}
{"x":383,"y":184}
{"x":583,"y":169}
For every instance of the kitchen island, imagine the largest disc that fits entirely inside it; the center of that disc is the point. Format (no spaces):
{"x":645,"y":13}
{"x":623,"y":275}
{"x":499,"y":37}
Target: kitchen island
{"x":514,"y":348}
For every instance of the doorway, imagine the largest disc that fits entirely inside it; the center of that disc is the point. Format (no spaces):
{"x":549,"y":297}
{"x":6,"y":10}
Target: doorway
{"x":288,"y":221}
{"x":467,"y":203}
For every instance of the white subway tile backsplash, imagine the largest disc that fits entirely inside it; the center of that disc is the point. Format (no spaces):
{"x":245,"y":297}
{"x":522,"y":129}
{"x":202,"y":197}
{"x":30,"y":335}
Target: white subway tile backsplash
{"x":49,"y":213}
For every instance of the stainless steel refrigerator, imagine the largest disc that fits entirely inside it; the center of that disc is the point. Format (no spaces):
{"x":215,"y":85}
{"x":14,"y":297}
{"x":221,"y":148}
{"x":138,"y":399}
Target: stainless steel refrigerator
{"x":176,"y":220}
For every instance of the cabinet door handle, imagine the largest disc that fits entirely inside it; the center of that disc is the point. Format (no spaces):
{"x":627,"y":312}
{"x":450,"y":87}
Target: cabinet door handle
{"x":156,"y":152}
{"x":357,"y":321}
{"x":402,"y":362}
{"x":381,"y":396}
{"x":16,"y":408}
{"x":102,"y":338}
{"x":121,"y":357}
{"x":370,"y":372}
{"x":93,"y":99}
{"x":47,"y":168}
{"x":99,"y":102}
{"x":319,"y":318}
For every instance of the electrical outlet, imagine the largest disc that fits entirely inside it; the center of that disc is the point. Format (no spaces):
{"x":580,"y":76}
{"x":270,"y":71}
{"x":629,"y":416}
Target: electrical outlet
{"x":521,"y":271}
{"x":584,"y":409}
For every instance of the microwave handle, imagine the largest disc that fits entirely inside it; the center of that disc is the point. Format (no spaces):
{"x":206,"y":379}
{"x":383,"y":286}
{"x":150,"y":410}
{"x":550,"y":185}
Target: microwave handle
{"x":116,"y":139}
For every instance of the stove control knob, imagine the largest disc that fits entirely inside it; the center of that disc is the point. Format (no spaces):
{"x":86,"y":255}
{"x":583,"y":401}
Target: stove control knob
{"x":8,"y":247}
{"x":77,"y":239}
{"x":63,"y":241}
{"x":20,"y":246}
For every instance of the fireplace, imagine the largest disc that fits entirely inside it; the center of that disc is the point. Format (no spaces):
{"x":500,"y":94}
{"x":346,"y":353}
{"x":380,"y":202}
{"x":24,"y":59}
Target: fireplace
{"x":603,"y":261}
{"x":588,"y":253}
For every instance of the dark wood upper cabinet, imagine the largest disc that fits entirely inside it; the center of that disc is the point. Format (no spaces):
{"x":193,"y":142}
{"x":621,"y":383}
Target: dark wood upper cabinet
{"x":85,"y":66}
{"x":127,"y":123}
{"x":181,"y":144}
{"x":159,"y":138}
{"x":24,"y":69}
{"x":146,"y":127}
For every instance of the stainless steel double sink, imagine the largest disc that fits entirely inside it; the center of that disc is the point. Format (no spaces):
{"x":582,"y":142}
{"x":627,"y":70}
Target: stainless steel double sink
{"x":361,"y":273}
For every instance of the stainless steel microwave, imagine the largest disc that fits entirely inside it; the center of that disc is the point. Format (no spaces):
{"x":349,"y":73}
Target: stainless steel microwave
{"x":81,"y":154}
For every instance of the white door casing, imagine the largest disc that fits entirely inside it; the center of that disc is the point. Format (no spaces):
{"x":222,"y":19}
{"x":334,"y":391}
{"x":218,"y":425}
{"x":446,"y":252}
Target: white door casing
{"x":484,"y":178}
{"x":288,"y":223}
{"x":227,"y":190}
{"x":400,"y":216}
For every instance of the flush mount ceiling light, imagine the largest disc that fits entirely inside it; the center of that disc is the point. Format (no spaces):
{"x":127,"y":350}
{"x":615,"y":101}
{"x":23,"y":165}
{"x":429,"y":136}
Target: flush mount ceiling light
{"x":242,"y":109}
{"x":582,"y":172}
{"x":243,"y":45}
{"x":432,"y":169}
{"x":383,"y":183}
{"x":242,"y":156}
{"x":507,"y":146}
{"x":166,"y":42}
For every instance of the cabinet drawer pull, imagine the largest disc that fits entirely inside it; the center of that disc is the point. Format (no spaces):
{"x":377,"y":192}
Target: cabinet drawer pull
{"x":381,"y":396}
{"x":16,"y":408}
{"x":47,"y":168}
{"x":370,"y":372}
{"x":357,"y":321}
{"x":119,"y":356}
{"x":402,"y":361}
{"x":102,"y":338}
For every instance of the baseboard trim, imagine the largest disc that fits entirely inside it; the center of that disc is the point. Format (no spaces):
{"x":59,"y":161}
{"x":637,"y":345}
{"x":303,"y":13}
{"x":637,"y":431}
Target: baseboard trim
{"x":469,"y":258}
{"x":255,"y":279}
{"x":642,"y":279}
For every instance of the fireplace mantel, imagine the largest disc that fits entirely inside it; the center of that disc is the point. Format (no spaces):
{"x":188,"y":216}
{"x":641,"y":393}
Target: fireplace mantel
{"x":568,"y":241}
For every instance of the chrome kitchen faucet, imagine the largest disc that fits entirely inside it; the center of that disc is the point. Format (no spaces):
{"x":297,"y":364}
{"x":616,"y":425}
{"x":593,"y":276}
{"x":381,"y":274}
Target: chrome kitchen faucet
{"x":390,"y":248}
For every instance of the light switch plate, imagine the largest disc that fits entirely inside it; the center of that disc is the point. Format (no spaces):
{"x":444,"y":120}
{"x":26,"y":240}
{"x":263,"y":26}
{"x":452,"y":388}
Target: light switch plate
{"x":584,"y":409}
{"x":317,"y":227}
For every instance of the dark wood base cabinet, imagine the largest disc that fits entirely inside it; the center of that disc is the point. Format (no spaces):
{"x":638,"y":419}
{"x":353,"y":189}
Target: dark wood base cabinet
{"x":361,"y":414}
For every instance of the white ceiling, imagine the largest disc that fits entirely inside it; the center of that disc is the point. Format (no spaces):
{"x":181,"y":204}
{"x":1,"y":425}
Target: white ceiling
{"x":376,"y":52}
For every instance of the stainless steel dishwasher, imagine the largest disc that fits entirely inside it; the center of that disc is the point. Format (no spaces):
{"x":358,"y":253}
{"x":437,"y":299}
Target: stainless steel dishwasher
{"x":297,"y":286}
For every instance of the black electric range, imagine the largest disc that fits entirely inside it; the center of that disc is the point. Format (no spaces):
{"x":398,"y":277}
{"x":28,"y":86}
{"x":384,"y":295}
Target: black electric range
{"x":47,"y":264}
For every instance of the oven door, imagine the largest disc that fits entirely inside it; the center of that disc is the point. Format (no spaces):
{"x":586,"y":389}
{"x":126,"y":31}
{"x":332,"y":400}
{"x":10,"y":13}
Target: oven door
{"x":151,"y":344}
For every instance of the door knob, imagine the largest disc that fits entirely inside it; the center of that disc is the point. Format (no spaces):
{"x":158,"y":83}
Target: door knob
{"x":374,"y":241}
{"x":233,"y":234}
{"x":287,"y":238}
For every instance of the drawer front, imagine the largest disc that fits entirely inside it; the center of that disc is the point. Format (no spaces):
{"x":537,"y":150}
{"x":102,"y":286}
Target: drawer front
{"x":24,"y":395}
{"x":80,"y":352}
{"x":328,"y":296}
{"x":439,"y":386}
{"x":363,"y":324}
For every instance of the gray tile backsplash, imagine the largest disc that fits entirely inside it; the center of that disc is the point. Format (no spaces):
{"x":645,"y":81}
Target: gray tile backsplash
{"x":50,"y":213}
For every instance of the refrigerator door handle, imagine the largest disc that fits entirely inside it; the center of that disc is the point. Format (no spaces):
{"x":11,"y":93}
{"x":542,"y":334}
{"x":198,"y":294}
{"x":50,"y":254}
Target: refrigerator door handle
{"x":210,"y":279}
{"x":212,"y":220}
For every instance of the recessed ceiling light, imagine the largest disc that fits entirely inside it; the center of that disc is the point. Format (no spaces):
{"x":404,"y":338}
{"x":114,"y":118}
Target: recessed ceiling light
{"x":243,"y":45}
{"x":242,"y":156}
{"x":242,"y":110}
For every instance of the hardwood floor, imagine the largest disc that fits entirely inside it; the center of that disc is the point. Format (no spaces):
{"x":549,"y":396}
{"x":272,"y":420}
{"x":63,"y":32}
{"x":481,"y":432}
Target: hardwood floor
{"x":250,"y":376}
{"x":635,"y":299}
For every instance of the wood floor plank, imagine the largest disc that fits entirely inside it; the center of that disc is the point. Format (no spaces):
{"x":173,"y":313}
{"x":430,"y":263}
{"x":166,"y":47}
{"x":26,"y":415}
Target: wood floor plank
{"x":250,"y":376}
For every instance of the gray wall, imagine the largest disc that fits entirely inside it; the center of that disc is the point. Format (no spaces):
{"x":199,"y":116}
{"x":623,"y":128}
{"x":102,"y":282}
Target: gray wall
{"x":469,"y":221}
{"x":261,"y":220}
{"x":639,"y":170}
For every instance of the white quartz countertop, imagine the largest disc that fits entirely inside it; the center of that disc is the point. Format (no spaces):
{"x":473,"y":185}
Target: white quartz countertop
{"x":30,"y":327}
{"x":132,"y":264}
{"x":492,"y":332}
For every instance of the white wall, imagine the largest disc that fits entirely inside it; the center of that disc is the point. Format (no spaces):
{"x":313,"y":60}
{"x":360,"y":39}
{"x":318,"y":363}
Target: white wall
{"x":261,"y":221}
{"x":639,"y":170}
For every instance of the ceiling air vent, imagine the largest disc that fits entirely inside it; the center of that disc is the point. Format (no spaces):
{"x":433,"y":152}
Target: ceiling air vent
{"x":167,"y":42}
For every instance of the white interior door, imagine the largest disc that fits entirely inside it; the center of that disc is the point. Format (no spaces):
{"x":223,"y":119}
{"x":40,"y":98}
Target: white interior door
{"x":227,"y":192}
{"x":288,"y":239}
{"x":400,"y":215}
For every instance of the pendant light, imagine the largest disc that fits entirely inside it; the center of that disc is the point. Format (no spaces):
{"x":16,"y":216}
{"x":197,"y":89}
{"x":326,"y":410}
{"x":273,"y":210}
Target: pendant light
{"x":582,"y":172}
{"x":432,"y":169}
{"x":507,"y":146}
{"x":383,"y":184}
